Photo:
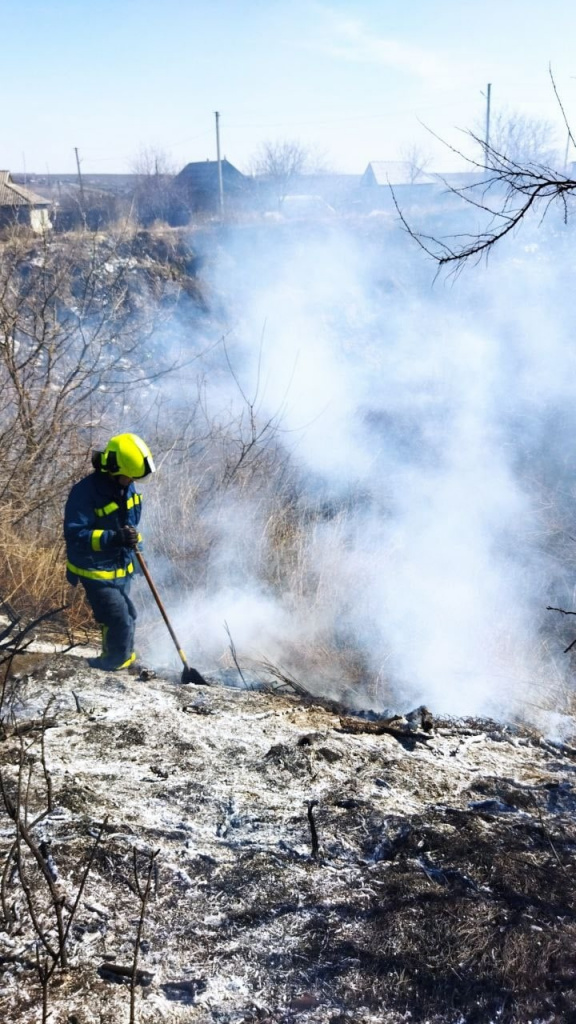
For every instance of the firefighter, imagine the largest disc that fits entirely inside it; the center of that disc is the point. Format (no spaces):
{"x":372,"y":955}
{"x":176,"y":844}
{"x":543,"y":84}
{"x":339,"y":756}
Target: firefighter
{"x":101,"y":531}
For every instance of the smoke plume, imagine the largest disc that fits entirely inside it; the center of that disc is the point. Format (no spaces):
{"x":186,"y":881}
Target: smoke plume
{"x":427,"y":423}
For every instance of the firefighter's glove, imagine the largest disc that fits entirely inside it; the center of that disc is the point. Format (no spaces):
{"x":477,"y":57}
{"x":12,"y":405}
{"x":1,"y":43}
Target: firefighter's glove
{"x":127,"y":537}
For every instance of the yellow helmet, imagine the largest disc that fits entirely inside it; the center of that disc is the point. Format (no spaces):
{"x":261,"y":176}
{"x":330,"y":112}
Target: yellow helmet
{"x":125,"y":455}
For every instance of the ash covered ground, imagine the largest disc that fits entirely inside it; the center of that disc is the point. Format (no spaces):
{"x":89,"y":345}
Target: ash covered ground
{"x":312,"y":865}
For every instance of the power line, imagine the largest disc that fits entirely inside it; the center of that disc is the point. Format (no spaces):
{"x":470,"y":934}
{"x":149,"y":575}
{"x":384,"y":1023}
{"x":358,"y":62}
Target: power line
{"x":341,"y":120}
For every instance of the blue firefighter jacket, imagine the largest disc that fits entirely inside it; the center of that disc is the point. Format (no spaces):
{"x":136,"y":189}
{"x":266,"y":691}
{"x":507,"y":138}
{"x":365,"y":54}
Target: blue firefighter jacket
{"x":96,"y":508}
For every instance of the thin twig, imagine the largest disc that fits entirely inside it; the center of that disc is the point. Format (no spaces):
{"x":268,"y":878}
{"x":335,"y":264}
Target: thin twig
{"x":144,"y":895}
{"x":47,"y":776}
{"x":547,"y":834}
{"x":232,"y":648}
{"x":84,"y":878}
{"x":13,"y":811}
{"x":560,"y":104}
{"x":7,"y":665}
{"x":44,"y":974}
{"x":315,"y":845}
{"x":284,"y":676}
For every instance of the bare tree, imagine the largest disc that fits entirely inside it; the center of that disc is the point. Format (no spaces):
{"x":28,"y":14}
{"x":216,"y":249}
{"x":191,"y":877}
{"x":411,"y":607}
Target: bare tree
{"x":73,"y":321}
{"x":281,"y":163}
{"x":154,"y":195}
{"x":152,"y":161}
{"x":418,"y":161}
{"x":522,"y":139}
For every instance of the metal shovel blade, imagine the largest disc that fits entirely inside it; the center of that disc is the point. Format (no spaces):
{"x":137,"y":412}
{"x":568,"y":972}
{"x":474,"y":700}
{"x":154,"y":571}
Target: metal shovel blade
{"x":192,"y":675}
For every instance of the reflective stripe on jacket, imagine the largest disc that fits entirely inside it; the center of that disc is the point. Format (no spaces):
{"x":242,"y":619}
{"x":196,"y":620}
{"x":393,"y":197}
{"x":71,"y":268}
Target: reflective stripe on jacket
{"x":96,"y":509}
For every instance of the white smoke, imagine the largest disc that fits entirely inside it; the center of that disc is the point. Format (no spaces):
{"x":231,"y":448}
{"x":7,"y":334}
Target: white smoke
{"x":423,"y":402}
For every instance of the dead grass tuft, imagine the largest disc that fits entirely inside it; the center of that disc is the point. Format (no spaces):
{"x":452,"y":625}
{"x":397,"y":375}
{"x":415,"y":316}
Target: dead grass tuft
{"x":34,"y":581}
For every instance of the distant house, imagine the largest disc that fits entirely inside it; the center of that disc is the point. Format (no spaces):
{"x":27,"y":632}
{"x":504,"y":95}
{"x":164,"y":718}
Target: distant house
{"x":54,"y":185}
{"x":98,"y":199}
{"x":409,"y":184}
{"x":19,"y":205}
{"x":199,"y":186}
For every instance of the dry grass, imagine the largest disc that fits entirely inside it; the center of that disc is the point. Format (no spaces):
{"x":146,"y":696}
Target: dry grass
{"x":34,"y":581}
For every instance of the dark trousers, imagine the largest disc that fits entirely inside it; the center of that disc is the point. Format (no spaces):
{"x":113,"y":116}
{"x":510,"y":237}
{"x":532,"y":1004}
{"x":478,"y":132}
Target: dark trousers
{"x":116,"y":614}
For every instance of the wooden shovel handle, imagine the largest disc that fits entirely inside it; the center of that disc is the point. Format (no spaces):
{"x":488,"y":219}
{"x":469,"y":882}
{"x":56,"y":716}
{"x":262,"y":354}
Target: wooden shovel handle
{"x":161,"y":607}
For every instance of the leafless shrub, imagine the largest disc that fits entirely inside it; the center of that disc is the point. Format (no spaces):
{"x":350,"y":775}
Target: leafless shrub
{"x":73,"y":322}
{"x":15,"y":638}
{"x":30,"y":875}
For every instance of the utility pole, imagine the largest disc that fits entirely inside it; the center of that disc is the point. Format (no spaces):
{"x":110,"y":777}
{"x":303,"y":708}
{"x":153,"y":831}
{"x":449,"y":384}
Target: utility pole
{"x":80,"y":185}
{"x":220,"y":182}
{"x":487,"y":132}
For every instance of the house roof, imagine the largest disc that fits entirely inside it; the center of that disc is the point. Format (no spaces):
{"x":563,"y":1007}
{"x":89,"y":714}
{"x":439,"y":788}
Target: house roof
{"x":395,"y":172}
{"x":51,"y":184}
{"x":17,"y":195}
{"x":203,"y":175}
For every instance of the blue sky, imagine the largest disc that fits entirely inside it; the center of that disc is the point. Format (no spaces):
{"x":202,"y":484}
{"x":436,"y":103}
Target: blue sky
{"x":351,"y":80}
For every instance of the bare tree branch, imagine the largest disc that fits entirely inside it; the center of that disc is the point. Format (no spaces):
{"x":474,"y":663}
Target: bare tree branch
{"x":514,"y":176}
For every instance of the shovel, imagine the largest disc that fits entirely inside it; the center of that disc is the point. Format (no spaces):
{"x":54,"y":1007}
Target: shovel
{"x":189,"y":674}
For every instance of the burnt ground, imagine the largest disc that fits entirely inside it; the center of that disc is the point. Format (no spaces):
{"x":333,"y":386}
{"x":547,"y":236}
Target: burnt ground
{"x":309,"y":866}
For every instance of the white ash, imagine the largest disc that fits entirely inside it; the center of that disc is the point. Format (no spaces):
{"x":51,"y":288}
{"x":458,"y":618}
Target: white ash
{"x":223,"y":797}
